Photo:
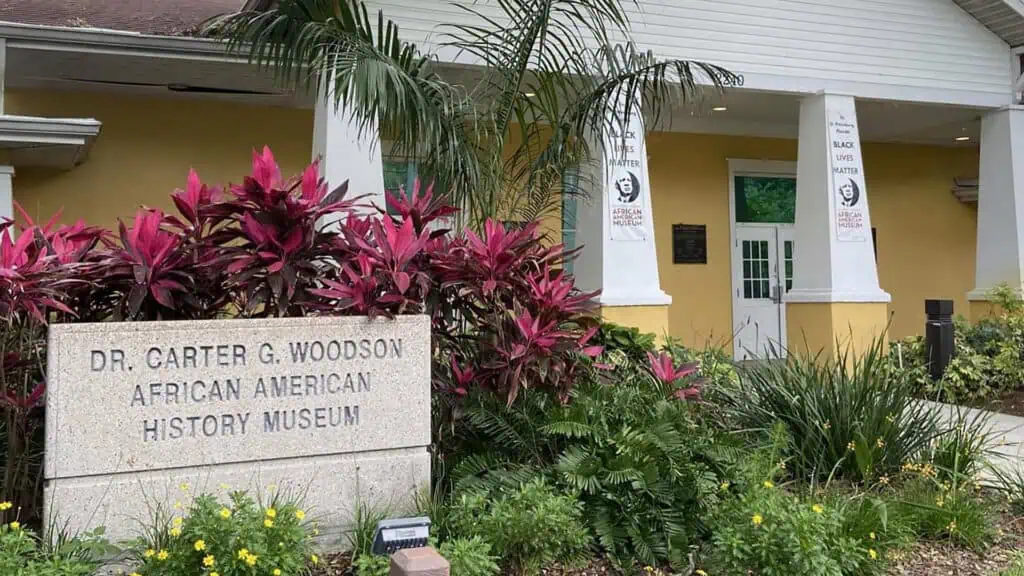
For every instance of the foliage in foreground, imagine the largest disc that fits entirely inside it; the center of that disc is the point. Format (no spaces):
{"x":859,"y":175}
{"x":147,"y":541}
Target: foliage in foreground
{"x":853,"y":417}
{"x":237,"y":538}
{"x":638,"y":456}
{"x":24,"y":553}
{"x":772,"y":533}
{"x":469,"y":557}
{"x":528,"y":527}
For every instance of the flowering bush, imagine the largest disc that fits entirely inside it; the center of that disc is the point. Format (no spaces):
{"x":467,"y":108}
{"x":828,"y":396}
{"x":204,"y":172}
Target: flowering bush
{"x":236,"y":538}
{"x":767,"y":531}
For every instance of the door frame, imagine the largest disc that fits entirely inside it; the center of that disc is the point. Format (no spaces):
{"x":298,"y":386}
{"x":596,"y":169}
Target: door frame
{"x":748,"y":167}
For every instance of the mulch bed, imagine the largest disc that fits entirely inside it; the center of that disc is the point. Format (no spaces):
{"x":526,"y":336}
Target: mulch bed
{"x":1011,"y":402}
{"x":944,"y":559}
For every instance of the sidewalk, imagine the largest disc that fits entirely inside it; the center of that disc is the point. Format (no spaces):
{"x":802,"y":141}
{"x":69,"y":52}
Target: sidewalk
{"x":1009,"y":432}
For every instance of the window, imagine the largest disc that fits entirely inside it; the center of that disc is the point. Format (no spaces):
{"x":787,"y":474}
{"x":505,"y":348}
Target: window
{"x":765,"y":199}
{"x":755,"y":270}
{"x":570,"y":192}
{"x":400,"y":174}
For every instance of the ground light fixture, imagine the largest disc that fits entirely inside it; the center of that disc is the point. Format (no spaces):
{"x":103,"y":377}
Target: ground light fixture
{"x":396,"y":534}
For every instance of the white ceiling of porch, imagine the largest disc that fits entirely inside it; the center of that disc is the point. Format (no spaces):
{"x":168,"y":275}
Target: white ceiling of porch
{"x":749,"y":113}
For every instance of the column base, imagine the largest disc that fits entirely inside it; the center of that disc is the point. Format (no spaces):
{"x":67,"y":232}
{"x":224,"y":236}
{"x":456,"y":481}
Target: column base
{"x":650,"y":319}
{"x":978,"y":310}
{"x":831,"y":328}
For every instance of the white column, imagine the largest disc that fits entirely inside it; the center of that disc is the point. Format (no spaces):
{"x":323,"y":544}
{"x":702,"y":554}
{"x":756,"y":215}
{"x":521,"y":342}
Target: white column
{"x":6,"y":193}
{"x":615,"y":225}
{"x":834,"y":257}
{"x":344,"y":155}
{"x":1000,"y":244}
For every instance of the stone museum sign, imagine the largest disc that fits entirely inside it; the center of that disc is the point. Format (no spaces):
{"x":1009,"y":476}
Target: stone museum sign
{"x":332,"y":408}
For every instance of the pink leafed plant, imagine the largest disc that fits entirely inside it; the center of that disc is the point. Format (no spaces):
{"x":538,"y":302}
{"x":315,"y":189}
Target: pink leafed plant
{"x":664,"y":369}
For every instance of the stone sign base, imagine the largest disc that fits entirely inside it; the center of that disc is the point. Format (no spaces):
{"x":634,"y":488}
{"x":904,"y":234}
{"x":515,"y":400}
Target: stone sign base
{"x":329,"y":486}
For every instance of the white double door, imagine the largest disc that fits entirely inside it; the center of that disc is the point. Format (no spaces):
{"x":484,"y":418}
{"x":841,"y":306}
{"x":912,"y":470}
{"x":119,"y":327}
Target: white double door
{"x":762,"y":262}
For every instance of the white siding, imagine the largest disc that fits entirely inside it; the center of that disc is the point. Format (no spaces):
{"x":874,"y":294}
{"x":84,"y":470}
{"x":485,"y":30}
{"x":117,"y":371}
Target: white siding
{"x":927,"y":50}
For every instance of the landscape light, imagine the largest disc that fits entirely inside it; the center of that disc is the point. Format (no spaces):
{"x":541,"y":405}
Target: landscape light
{"x":399,"y":533}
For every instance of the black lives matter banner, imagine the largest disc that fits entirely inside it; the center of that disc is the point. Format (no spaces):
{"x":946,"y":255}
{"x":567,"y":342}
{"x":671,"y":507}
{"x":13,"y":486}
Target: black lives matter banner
{"x":627,"y":180}
{"x":847,"y":177}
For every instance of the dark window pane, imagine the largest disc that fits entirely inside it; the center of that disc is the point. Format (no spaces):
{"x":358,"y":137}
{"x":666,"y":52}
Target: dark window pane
{"x":789,"y":268}
{"x":746,"y":289}
{"x":765,"y":289}
{"x":768,"y":199}
{"x":746,"y":269}
{"x":746,"y":249}
{"x":788,"y":247}
{"x":755,"y":250}
{"x":764,"y":268}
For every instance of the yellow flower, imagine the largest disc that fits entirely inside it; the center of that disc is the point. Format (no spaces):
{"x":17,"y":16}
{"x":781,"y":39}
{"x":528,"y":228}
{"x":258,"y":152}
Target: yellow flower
{"x":890,"y":418}
{"x":757,"y":519}
{"x":277,"y":572}
{"x":871,"y":535}
{"x":15,"y":525}
{"x":768,"y":484}
{"x":314,"y":559}
{"x":884,"y":480}
{"x":880,"y":443}
{"x":177,"y":505}
{"x":267,"y":522}
{"x":872,"y":553}
{"x":200,"y":545}
{"x":209,"y":560}
{"x":300,"y":514}
{"x":817,"y":509}
{"x":162,"y":555}
{"x":271,"y":513}
{"x":782,"y":465}
{"x":648,"y":569}
{"x":951,"y":527}
{"x":5,"y":506}
{"x":225,"y":513}
{"x":149,"y":553}
{"x":135,"y":574}
{"x":176,"y":521}
{"x":827,"y":425}
{"x":251,"y":559}
{"x":243,"y":553}
{"x":724,"y":486}
{"x":184,"y":487}
{"x":316,"y":531}
{"x":225,"y":486}
{"x":175,"y":532}
{"x":851,"y":446}
{"x":214,"y":574}
{"x":940,"y":501}
{"x":701,"y":573}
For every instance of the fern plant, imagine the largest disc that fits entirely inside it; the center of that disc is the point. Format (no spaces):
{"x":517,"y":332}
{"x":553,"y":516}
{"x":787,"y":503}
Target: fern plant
{"x":637,"y":456}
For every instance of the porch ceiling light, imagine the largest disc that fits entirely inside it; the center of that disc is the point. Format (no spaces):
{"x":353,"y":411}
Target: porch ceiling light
{"x":962,"y":138}
{"x":719,"y":108}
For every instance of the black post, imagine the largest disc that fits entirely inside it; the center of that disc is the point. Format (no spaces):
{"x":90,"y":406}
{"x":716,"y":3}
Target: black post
{"x":938,"y":333}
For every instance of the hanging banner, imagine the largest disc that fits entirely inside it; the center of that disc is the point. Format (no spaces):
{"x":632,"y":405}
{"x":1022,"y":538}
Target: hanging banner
{"x":627,"y":186}
{"x":847,"y":177}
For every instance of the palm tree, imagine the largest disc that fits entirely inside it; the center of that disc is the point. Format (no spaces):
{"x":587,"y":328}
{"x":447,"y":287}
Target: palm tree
{"x":551,"y":78}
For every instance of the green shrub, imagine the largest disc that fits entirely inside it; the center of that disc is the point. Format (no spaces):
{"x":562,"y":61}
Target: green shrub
{"x":945,"y":510}
{"x":528,"y":528}
{"x":236,"y":539}
{"x":768,"y":531}
{"x":1016,"y":568}
{"x":23,"y":553}
{"x":1011,"y":483}
{"x":372,"y":565}
{"x":626,"y":340}
{"x":852,"y":417}
{"x":469,"y":557}
{"x":636,"y":454}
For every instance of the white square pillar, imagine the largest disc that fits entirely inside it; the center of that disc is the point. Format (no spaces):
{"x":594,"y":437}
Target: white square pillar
{"x":345,"y":155}
{"x":6,"y":193}
{"x":1000,"y":241}
{"x":835,"y":293}
{"x":615,"y":226}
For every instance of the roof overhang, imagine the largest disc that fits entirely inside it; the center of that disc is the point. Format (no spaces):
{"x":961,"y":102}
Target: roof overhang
{"x":51,"y":142}
{"x":1005,"y":18}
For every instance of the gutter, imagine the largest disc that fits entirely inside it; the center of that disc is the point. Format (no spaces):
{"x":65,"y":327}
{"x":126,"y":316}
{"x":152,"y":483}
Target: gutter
{"x":105,"y":41}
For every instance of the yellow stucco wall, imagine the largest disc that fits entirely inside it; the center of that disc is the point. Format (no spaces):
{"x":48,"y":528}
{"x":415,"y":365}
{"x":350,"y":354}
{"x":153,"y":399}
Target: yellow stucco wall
{"x":146,"y":148}
{"x":840,"y":329}
{"x":926,"y":238}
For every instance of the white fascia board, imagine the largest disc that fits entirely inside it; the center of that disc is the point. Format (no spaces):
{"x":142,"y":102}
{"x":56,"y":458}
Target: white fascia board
{"x":114,"y":42}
